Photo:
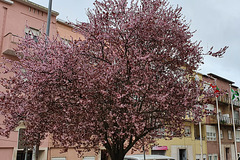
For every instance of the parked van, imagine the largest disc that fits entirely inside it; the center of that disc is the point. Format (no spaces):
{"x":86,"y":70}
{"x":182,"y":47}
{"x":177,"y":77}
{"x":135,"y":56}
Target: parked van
{"x":147,"y":157}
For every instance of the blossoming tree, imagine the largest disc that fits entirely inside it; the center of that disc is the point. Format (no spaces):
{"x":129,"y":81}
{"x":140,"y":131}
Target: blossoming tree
{"x":130,"y":77}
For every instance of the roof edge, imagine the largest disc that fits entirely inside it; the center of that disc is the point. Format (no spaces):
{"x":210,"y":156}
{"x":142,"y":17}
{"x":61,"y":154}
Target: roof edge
{"x":218,"y":77}
{"x":64,"y":22}
{"x":7,"y":1}
{"x":37,"y":6}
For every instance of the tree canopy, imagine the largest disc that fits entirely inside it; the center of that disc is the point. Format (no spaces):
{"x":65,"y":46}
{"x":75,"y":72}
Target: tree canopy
{"x":128,"y":81}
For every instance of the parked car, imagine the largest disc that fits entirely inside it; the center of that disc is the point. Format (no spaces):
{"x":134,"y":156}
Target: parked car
{"x":147,"y":157}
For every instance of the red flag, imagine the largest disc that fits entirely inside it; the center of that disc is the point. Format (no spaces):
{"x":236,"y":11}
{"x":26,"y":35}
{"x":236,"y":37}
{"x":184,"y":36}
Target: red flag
{"x":215,"y":88}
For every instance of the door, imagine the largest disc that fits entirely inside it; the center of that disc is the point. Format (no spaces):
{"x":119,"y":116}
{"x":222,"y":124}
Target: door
{"x":227,"y":152}
{"x":182,"y":154}
{"x":21,"y":155}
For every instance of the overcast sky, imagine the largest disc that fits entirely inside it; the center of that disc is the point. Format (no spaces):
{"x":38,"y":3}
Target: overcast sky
{"x":217,"y":23}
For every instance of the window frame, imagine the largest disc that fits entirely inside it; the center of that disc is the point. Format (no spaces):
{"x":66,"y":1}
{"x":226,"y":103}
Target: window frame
{"x":211,"y":133}
{"x":230,"y":134}
{"x":187,"y":134}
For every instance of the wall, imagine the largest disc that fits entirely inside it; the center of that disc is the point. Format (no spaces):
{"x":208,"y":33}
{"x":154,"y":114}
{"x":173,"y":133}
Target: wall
{"x":189,"y":143}
{"x":14,"y":19}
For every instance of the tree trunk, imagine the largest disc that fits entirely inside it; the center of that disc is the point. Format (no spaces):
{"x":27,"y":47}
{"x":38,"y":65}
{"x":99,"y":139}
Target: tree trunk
{"x":117,"y":156}
{"x":116,"y":152}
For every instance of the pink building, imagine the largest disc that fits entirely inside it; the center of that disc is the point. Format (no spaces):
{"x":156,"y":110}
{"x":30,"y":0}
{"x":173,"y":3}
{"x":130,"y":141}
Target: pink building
{"x":15,"y":16}
{"x":18,"y":18}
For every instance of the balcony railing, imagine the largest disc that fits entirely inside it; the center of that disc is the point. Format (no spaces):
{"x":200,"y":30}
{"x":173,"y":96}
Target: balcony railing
{"x":228,"y":121}
{"x":9,"y":43}
{"x":211,"y":119}
{"x":198,"y":138}
{"x":225,"y":99}
{"x":237,"y":122}
{"x":225,"y":120}
{"x":236,"y":103}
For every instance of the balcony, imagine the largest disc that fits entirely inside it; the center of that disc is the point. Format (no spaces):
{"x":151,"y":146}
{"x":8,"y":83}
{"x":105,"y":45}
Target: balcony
{"x":9,"y":43}
{"x":224,"y":99}
{"x":236,"y":103}
{"x":228,"y":121}
{"x":198,"y":138}
{"x":225,"y":120}
{"x":237,"y":122}
{"x":211,"y":119}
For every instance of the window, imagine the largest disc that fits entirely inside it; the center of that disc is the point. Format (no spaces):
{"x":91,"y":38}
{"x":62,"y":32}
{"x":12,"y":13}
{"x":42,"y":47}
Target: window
{"x":212,"y":157}
{"x":158,"y":152}
{"x":210,"y":108}
{"x":229,"y":134}
{"x":198,"y":157}
{"x":187,"y":131}
{"x":21,"y":138}
{"x":238,"y":136}
{"x":221,"y":133}
{"x":188,"y":115}
{"x":161,"y":131}
{"x":59,"y":158}
{"x":21,"y":155}
{"x":33,"y":33}
{"x":88,"y":158}
{"x":236,"y":115}
{"x":66,"y":41}
{"x":211,"y":133}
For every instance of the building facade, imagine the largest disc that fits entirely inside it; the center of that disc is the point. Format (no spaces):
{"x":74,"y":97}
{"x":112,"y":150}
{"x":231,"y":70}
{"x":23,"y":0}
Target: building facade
{"x":17,"y":19}
{"x":223,"y":134}
{"x":216,"y":136}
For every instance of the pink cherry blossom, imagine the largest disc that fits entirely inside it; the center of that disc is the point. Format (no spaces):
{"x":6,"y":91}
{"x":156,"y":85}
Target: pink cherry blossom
{"x":129,"y":77}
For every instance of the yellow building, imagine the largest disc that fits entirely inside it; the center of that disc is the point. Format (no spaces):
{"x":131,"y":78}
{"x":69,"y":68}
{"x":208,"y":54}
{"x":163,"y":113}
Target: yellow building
{"x":188,"y":147}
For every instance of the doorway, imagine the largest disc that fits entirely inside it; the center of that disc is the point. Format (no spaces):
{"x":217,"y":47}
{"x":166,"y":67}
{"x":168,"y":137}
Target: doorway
{"x":182,"y":154}
{"x":21,"y":155}
{"x":227,"y":153}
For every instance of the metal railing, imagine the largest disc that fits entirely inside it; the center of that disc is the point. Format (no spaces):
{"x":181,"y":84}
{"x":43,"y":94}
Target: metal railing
{"x":226,"y":99}
{"x":236,"y":103}
{"x":225,"y":120}
{"x":228,"y":120}
{"x":198,"y":138}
